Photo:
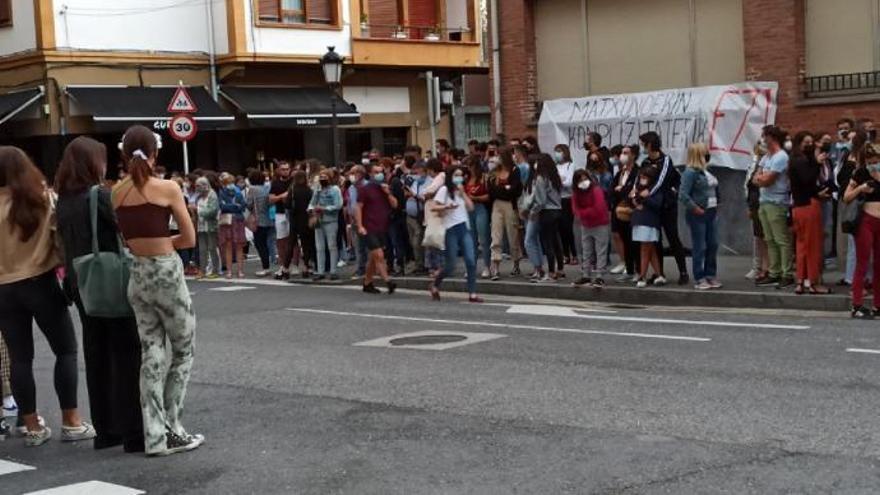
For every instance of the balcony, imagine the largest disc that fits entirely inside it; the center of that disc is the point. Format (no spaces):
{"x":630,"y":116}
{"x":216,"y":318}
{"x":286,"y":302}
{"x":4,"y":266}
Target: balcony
{"x":842,"y":85}
{"x":416,"y":46}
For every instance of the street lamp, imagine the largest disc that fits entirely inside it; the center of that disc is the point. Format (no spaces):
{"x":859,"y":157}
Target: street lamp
{"x":331,"y":65}
{"x":447,"y":94}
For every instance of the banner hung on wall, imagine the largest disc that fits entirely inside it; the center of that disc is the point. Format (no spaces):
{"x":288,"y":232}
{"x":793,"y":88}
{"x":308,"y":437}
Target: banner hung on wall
{"x":727,"y":118}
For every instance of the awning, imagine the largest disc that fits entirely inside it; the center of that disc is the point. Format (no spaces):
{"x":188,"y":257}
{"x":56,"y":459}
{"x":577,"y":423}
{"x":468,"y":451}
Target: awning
{"x":269,"y":106}
{"x":118,"y":107}
{"x":14,"y":102}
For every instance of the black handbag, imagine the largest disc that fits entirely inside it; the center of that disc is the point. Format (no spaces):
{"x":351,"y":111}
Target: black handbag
{"x":852,"y":215}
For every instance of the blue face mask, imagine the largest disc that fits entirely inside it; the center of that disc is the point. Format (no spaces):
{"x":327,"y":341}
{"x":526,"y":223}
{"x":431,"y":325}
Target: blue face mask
{"x":379,"y":178}
{"x":558,"y":156}
{"x":875,"y":167}
{"x":458,"y":180}
{"x":844,"y":145}
{"x":231,"y":187}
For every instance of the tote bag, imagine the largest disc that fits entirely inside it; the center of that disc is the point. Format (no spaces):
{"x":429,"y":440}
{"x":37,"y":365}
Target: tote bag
{"x":852,"y":214}
{"x":102,"y":277}
{"x":435,"y":231}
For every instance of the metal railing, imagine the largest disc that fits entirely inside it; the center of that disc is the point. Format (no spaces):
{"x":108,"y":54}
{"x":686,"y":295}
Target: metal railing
{"x":415,"y":32}
{"x":858,"y":83}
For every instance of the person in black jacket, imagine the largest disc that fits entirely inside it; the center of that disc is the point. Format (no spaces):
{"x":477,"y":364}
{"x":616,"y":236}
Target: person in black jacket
{"x":505,"y":187}
{"x":621,"y":210}
{"x":667,"y":182}
{"x":111,"y":346}
{"x":297,"y":202}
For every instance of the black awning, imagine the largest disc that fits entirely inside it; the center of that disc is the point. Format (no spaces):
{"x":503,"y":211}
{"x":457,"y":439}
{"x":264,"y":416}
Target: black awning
{"x":14,"y":102}
{"x":117,"y":107}
{"x":290,"y":107}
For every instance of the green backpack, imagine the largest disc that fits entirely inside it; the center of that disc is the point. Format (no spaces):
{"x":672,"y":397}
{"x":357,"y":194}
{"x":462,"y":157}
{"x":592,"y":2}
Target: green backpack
{"x":102,"y":277}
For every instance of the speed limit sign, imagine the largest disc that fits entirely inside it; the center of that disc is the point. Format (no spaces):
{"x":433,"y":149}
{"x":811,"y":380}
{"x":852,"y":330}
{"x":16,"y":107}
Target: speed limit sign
{"x":183,"y":127}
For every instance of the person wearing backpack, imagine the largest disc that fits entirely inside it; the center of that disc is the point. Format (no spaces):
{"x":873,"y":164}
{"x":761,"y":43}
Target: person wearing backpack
{"x":111,"y":346}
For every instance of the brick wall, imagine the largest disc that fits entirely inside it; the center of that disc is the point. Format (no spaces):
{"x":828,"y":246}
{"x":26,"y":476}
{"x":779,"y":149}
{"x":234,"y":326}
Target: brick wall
{"x":775,"y":50}
{"x":519,"y":81}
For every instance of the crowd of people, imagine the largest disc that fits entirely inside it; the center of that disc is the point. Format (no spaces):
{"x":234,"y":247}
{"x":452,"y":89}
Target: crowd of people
{"x":389,"y":216}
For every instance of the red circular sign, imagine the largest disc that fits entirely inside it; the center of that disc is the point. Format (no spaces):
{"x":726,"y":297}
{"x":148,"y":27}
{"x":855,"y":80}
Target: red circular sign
{"x":183,"y":127}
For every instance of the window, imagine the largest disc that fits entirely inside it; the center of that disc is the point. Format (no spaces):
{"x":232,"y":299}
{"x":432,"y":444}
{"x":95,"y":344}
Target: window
{"x":308,"y":12}
{"x":479,"y":126}
{"x":5,"y":13}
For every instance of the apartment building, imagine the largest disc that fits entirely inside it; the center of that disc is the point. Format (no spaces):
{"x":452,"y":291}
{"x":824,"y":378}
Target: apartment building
{"x":825,"y":54}
{"x":73,"y":67}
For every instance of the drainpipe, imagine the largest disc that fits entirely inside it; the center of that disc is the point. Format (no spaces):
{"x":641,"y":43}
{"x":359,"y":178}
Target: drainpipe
{"x":496,"y":68}
{"x":211,"y":48}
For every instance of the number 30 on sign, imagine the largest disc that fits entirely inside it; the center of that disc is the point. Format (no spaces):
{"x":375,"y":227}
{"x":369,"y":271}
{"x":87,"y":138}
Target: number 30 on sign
{"x":182,"y":127}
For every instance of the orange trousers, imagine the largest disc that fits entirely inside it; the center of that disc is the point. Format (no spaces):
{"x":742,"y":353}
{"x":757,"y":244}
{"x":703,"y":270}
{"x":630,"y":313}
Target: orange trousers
{"x":809,"y":235}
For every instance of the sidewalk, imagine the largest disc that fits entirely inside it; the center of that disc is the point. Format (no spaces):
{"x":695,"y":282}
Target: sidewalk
{"x":737,"y":290}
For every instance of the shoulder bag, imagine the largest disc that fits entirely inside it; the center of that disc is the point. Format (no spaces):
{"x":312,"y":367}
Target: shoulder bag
{"x":852,"y":215}
{"x":102,"y":277}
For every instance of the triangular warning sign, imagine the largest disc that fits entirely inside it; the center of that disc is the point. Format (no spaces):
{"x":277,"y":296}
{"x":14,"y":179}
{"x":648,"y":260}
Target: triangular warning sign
{"x":181,"y":102}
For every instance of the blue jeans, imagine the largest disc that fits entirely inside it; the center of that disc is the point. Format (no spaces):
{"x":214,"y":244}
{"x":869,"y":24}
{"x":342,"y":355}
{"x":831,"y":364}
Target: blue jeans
{"x":704,"y":238}
{"x":480,"y":232}
{"x":325,"y":238}
{"x":459,"y":242}
{"x":533,"y":244}
{"x":398,"y":241}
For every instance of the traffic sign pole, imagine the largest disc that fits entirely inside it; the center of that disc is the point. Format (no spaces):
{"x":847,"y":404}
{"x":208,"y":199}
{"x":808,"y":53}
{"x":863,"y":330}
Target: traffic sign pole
{"x":185,"y":159}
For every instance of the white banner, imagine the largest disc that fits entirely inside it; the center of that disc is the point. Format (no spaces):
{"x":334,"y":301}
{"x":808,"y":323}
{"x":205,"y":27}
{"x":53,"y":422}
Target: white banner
{"x":727,"y":118}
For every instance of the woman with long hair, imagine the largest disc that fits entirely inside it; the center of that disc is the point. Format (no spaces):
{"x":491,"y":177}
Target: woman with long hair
{"x":111,"y":346}
{"x":258,"y":203}
{"x":452,"y":202}
{"x":29,"y":291}
{"x":532,"y":236}
{"x":804,"y":175}
{"x":699,"y":196}
{"x":505,"y":188}
{"x":206,"y":207}
{"x":157,"y":291}
{"x":621,"y":215}
{"x":302,"y":235}
{"x":853,"y":160}
{"x":325,"y":205}
{"x":865,"y":185}
{"x":646,"y":223}
{"x":566,"y":168}
{"x":547,"y":210}
{"x":477,"y":189}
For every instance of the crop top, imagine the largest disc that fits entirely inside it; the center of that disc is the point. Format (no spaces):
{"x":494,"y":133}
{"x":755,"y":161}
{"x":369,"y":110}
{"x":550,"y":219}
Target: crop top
{"x":860,"y":176}
{"x":143,"y":221}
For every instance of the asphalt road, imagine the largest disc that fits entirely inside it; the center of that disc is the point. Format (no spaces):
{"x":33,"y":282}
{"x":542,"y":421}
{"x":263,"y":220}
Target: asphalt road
{"x":566,"y":398}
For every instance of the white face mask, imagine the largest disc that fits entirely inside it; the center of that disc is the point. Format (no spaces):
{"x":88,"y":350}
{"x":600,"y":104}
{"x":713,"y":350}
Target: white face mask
{"x":787,"y":146}
{"x":365,"y":161}
{"x":624,"y":159}
{"x":584,"y":185}
{"x":492,"y":165}
{"x":643,"y":182}
{"x":352,"y":178}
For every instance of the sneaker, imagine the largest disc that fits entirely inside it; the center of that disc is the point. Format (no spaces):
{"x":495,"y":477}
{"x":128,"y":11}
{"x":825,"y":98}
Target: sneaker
{"x":516,"y":272}
{"x":546,"y":279}
{"x":294,"y":270}
{"x":37,"y":438}
{"x":785,"y":283}
{"x":262,"y":273}
{"x":371,"y":289}
{"x":625,"y":277}
{"x":702,"y":285}
{"x":175,"y":443}
{"x":357,"y":276}
{"x":341,"y":264}
{"x":282,"y":275}
{"x":641,"y":283}
{"x":212,"y":276}
{"x":661,"y":281}
{"x":766,"y":281}
{"x":581,"y":282}
{"x":634,"y":279}
{"x":752,"y":275}
{"x":21,"y":429}
{"x":84,"y":431}
{"x":598,"y":283}
{"x":391,"y":287}
{"x":683,"y":279}
{"x":5,"y":430}
{"x":485,"y":274}
{"x":861,"y":313}
{"x":617,"y":270}
{"x":495,"y":277}
{"x":714,"y":283}
{"x":10,"y":408}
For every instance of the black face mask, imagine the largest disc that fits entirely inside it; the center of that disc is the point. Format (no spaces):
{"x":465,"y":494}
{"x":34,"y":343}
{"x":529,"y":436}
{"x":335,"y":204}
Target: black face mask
{"x":809,"y":149}
{"x":826,"y":148}
{"x":325,"y":183}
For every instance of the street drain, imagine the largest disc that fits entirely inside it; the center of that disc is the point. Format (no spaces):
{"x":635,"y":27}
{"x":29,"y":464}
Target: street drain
{"x":427,"y":340}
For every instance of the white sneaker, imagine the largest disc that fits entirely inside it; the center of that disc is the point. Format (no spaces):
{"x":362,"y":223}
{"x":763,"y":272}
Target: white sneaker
{"x":660,"y":281}
{"x":635,"y":278}
{"x":10,"y":408}
{"x":641,"y":284}
{"x":85,"y":431}
{"x":262,"y":273}
{"x":714,"y":283}
{"x":702,"y":285}
{"x":341,"y":264}
{"x":294,"y":270}
{"x":752,"y":275}
{"x":617,"y":270}
{"x":37,"y":438}
{"x":22,"y":430}
{"x":485,"y":274}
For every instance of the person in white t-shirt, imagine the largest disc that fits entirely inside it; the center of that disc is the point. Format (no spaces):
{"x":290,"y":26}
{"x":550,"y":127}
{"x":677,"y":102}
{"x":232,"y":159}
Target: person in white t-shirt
{"x":453,"y":203}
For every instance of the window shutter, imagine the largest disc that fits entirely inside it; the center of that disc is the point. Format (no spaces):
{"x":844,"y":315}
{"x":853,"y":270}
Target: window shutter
{"x":5,"y":12}
{"x":384,"y":16}
{"x":422,"y":16}
{"x":269,"y":10}
{"x":320,"y":11}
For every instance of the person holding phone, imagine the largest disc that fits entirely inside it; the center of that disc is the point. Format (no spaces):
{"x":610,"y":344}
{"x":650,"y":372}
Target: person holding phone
{"x":807,"y":194}
{"x":865,"y":185}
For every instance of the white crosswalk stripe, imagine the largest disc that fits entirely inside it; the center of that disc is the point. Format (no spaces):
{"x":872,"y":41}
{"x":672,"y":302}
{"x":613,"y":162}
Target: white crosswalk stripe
{"x":83,"y":488}
{"x":8,"y":467}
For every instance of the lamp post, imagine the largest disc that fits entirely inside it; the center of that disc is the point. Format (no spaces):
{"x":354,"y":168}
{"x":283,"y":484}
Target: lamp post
{"x":331,"y":64}
{"x":447,"y":94}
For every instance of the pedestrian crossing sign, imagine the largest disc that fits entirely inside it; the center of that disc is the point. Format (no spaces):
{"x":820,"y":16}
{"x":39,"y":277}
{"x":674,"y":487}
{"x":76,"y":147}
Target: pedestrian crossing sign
{"x":182,"y":102}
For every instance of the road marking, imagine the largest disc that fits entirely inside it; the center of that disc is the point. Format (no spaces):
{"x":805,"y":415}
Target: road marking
{"x":469,"y":338}
{"x":863,"y":351}
{"x":543,"y":311}
{"x":89,"y":488}
{"x":232,"y":288}
{"x":548,"y":310}
{"x":7,"y":467}
{"x":506,"y":325}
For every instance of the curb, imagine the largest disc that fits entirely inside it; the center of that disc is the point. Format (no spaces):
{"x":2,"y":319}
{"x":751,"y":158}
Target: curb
{"x":631,"y":296}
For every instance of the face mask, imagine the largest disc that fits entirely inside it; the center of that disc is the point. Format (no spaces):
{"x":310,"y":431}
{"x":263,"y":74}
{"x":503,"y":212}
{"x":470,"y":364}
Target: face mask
{"x":614,"y":162}
{"x":624,"y":159}
{"x":458,"y":180}
{"x":324,"y":183}
{"x":352,"y":178}
{"x":845,"y":145}
{"x":492,"y":165}
{"x":763,"y":142}
{"x":379,"y":178}
{"x":842,"y":133}
{"x":231,"y":187}
{"x":365,"y":161}
{"x":787,"y":146}
{"x":643,"y":155}
{"x":202,"y":189}
{"x":584,"y":185}
{"x":643,"y":182}
{"x":809,"y":149}
{"x":558,"y":156}
{"x":873,"y":167}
